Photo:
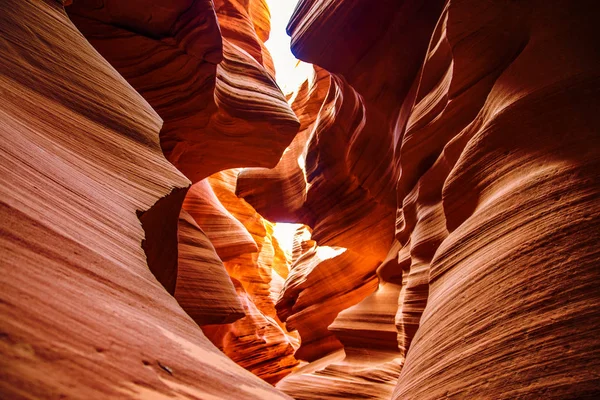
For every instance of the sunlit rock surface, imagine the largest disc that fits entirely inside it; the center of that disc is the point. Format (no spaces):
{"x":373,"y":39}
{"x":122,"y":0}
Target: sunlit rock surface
{"x":206,"y":74}
{"x":259,"y":342}
{"x":510,"y":203}
{"x":279,"y":193}
{"x":495,"y":151}
{"x":204,"y":289}
{"x":371,"y":360}
{"x":82,"y":314}
{"x":343,"y":216}
{"x":442,"y":164}
{"x":204,"y":68}
{"x":228,"y":235}
{"x":349,"y":168}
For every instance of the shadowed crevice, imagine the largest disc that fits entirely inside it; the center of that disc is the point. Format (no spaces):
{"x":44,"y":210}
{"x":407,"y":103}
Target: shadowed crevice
{"x":160,"y":244}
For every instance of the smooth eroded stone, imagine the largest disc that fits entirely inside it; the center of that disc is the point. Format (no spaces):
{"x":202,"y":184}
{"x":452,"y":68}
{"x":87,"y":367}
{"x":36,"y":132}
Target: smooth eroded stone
{"x":509,"y":205}
{"x":82,"y":314}
{"x":204,"y":289}
{"x":220,"y":104}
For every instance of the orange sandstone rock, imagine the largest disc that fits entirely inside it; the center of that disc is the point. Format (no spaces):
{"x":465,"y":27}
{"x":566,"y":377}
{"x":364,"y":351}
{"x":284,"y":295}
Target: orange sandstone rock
{"x":446,"y":170}
{"x":260,"y":341}
{"x":82,"y":315}
{"x":493,"y":147}
{"x":221,"y":107}
{"x":279,"y":193}
{"x":371,"y":360}
{"x":308,"y":305}
{"x":511,"y":298}
{"x":204,"y":289}
{"x":228,"y":235}
{"x":256,"y":342}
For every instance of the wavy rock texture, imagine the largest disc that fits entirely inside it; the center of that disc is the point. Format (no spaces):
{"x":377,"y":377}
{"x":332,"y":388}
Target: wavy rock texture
{"x":204,"y":289}
{"x":371,"y":361}
{"x":349,"y":194}
{"x":206,"y":72}
{"x":333,"y":200}
{"x":209,"y":89}
{"x":82,"y":314}
{"x":310,"y":301}
{"x":495,"y":149}
{"x":268,"y":259}
{"x":246,"y":24}
{"x":228,"y":235}
{"x":509,"y":204}
{"x":259,"y":342}
{"x":388,"y":42}
{"x":279,"y":193}
{"x":446,"y":170}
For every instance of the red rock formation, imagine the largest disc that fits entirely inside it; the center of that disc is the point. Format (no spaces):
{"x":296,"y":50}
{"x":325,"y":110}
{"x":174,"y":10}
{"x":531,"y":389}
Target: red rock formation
{"x":333,"y":199}
{"x":446,"y":170}
{"x":228,"y":235}
{"x":496,"y":160}
{"x":204,"y":289}
{"x":350,"y":193}
{"x":279,"y":193}
{"x":388,"y":42}
{"x":309,"y":306}
{"x":82,"y":315}
{"x":253,"y":269}
{"x":256,"y":342}
{"x":259,"y":342}
{"x":207,"y":73}
{"x":509,"y":119}
{"x":372,"y":361}
{"x":207,"y":89}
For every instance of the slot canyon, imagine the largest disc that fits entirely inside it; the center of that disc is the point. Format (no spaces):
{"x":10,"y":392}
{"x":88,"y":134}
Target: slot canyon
{"x":414,"y":215}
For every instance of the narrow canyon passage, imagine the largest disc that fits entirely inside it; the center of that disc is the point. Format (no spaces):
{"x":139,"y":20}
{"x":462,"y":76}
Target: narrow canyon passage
{"x":307,"y":199}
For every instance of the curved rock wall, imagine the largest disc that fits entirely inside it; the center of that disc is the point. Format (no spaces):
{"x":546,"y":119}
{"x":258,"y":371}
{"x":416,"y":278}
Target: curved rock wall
{"x":82,"y":314}
{"x":259,"y":342}
{"x":494,"y":142}
{"x":443,"y":160}
{"x":513,"y":276}
{"x":279,"y":193}
{"x":204,"y":289}
{"x":371,"y":361}
{"x":206,"y":74}
{"x":203,"y":66}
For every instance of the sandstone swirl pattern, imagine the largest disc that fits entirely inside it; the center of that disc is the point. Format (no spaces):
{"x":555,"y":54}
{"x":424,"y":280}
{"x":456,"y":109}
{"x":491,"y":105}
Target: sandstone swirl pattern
{"x":443,"y":163}
{"x":513,"y":283}
{"x":82,"y":315}
{"x":487,"y":110}
{"x":204,"y":68}
{"x":205,"y":73}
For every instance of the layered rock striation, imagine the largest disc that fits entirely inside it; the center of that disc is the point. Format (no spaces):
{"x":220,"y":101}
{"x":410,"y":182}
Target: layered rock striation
{"x":510,"y":282}
{"x":491,"y":126}
{"x":82,"y":314}
{"x":204,"y":69}
{"x":442,"y":162}
{"x":259,"y":342}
